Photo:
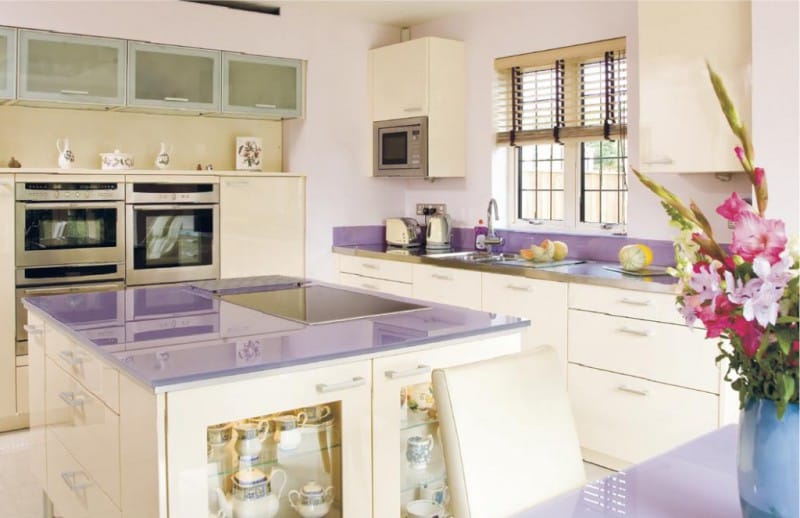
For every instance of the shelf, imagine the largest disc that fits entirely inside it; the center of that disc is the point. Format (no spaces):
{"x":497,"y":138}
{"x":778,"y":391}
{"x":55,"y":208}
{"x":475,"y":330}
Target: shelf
{"x":416,"y":420}
{"x":434,"y":472}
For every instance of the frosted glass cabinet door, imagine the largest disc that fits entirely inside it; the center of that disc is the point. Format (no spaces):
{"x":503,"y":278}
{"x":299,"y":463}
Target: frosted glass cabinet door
{"x":71,"y":69}
{"x":262,"y":86}
{"x":173,"y":78}
{"x":8,"y":63}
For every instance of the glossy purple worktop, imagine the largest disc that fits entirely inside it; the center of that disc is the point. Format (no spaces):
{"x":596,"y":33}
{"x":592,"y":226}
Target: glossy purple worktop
{"x":695,"y":480}
{"x":176,"y":335}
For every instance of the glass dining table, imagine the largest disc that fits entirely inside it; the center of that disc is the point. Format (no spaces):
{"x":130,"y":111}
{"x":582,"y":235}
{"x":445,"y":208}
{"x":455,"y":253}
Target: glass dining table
{"x":694,"y":480}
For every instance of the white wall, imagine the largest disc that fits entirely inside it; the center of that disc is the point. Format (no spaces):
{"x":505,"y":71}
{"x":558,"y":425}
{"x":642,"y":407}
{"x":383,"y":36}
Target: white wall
{"x":331,"y":145}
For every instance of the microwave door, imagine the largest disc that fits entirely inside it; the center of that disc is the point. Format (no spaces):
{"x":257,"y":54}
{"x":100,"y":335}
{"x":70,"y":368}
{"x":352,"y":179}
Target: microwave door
{"x":394,"y":149}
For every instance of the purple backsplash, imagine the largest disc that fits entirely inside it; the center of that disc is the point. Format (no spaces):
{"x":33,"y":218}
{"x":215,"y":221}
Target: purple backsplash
{"x":593,"y":248}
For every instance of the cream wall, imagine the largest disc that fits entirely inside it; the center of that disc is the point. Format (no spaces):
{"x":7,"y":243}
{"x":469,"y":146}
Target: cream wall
{"x":331,"y":145}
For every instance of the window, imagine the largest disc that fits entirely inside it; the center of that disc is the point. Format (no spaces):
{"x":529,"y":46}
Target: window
{"x":563,"y":115}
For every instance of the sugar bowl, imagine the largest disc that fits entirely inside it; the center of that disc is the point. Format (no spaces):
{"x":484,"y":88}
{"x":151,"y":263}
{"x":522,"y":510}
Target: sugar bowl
{"x":312,"y":501}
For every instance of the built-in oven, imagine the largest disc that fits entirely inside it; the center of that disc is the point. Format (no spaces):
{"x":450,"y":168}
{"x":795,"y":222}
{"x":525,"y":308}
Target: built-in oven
{"x":63,"y":223}
{"x":172,"y":231}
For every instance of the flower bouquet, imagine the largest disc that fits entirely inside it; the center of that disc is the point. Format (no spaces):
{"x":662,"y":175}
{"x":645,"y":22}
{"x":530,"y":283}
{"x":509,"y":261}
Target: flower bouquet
{"x":746,"y":296}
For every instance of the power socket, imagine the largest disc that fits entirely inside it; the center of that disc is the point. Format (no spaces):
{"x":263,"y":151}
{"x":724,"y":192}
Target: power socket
{"x":433,"y":208}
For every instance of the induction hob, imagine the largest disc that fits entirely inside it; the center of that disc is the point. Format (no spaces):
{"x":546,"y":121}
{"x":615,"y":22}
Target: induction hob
{"x":317,"y":304}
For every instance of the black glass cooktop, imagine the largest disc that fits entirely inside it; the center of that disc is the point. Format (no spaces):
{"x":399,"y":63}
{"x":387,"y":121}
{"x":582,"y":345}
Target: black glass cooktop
{"x":320,"y":304}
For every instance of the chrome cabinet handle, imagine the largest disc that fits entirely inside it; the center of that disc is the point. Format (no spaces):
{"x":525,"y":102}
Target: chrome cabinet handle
{"x":369,"y":286}
{"x":636,"y":332}
{"x":75,"y":92}
{"x":33,"y":330}
{"x":412,"y":109}
{"x":419,"y":369}
{"x":638,"y":392}
{"x":442,"y":277}
{"x":635,"y":302}
{"x":177,"y":99}
{"x":660,"y":161}
{"x":259,"y":105}
{"x":517,"y":287}
{"x":237,"y":183}
{"x":70,"y":357}
{"x":334,"y":387}
{"x":370,"y":266}
{"x":69,"y":480}
{"x":71,"y":399}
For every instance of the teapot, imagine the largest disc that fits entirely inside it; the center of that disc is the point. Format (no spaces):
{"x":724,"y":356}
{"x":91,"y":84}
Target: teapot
{"x":252,"y":495}
{"x":312,"y":501}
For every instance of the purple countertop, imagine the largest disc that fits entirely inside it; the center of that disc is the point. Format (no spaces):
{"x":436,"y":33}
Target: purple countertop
{"x":176,"y":335}
{"x":694,"y":480}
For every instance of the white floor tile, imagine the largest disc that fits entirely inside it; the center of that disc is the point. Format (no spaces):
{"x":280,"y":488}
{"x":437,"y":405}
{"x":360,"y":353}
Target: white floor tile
{"x":20,"y":495}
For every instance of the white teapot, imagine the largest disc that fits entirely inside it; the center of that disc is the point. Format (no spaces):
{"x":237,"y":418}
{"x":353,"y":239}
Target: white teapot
{"x":252,"y":495}
{"x":312,"y":501}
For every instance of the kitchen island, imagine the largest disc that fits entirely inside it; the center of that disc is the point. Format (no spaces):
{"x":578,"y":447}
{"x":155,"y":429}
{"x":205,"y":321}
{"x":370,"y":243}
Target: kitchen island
{"x":148,"y":408}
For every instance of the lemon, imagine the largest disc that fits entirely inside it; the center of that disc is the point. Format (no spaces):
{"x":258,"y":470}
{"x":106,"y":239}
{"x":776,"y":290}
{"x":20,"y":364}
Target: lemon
{"x":561,"y":250}
{"x":635,"y":257}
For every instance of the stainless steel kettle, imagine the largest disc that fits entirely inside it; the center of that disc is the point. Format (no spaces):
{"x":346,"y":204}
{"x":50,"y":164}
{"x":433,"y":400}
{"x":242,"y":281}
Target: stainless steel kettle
{"x":439,"y":232}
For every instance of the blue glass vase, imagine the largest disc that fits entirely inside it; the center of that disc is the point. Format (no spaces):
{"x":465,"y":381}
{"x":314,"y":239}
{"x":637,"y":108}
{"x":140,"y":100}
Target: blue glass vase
{"x":767,"y":461}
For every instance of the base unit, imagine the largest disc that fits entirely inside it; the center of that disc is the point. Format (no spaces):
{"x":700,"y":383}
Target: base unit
{"x":623,"y":420}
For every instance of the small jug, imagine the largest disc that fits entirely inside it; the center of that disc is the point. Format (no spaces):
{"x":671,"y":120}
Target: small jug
{"x":418,"y":451}
{"x":162,"y":159}
{"x":312,"y":501}
{"x":248,"y":441}
{"x":65,"y":155}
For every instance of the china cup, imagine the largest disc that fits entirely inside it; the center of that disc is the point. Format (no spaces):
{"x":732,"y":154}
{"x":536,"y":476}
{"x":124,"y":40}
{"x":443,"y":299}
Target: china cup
{"x":424,"y":509}
{"x":287,"y":431}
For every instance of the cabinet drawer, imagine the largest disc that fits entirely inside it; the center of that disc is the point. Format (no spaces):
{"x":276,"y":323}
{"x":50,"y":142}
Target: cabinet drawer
{"x":389,"y":270}
{"x":663,"y":352}
{"x":630,"y":419}
{"x":448,"y":286}
{"x":627,"y":303}
{"x":73,"y":492}
{"x":87,"y":428}
{"x":93,"y":373}
{"x":402,"y":289}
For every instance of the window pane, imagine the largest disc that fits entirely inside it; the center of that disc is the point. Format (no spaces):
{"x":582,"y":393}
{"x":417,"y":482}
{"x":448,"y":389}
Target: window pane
{"x":541,"y":182}
{"x":603,"y":165}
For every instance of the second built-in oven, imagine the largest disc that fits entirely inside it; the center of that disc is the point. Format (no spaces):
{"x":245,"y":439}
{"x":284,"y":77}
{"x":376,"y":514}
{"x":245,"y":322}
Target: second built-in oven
{"x":172,"y":231}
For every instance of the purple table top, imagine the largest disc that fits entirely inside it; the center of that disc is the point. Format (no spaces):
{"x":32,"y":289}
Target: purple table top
{"x":694,"y":480}
{"x":175,"y":335}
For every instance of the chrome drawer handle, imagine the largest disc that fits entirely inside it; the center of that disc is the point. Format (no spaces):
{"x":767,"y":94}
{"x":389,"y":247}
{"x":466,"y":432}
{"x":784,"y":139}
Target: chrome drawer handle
{"x":75,"y":92}
{"x":33,"y":330}
{"x":517,"y":287}
{"x":638,"y":392}
{"x":177,"y":99}
{"x":369,"y":286}
{"x":370,"y":266}
{"x":659,"y":161}
{"x":410,"y":110}
{"x":69,"y":480}
{"x":333,"y":387}
{"x":70,"y":357}
{"x":259,"y":105}
{"x":634,"y":302}
{"x":419,"y":369}
{"x":71,"y":399}
{"x":441,"y":277}
{"x":637,"y":332}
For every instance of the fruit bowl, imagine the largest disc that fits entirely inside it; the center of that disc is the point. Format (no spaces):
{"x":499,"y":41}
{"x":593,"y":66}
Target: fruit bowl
{"x":545,"y":252}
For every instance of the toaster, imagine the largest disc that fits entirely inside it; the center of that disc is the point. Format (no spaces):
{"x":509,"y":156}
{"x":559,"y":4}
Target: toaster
{"x":404,"y":232}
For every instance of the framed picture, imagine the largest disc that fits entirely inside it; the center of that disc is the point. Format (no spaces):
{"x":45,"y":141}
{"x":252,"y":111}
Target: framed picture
{"x":248,"y":153}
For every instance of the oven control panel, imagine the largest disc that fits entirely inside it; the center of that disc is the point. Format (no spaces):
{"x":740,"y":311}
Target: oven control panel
{"x":68,"y":191}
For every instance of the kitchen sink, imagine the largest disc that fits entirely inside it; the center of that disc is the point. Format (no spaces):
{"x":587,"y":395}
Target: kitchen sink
{"x":476,"y":257}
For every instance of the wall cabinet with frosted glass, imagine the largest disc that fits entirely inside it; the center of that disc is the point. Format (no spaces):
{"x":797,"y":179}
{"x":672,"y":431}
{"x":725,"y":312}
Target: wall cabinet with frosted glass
{"x":263,"y":87}
{"x":8,"y":63}
{"x":64,"y":68}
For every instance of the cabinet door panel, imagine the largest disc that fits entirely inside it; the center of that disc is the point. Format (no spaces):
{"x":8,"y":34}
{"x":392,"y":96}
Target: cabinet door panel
{"x":401,"y":289}
{"x":8,"y":63}
{"x":262,"y":86}
{"x":36,"y":398}
{"x":376,"y":268}
{"x":400,"y":80}
{"x":448,"y":286}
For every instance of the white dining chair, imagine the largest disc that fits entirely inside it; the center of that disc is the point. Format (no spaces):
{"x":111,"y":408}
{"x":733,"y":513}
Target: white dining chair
{"x":508,"y":433}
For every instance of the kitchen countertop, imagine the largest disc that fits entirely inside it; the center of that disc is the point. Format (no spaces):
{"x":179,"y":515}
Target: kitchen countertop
{"x":174,"y":337}
{"x":588,"y":272}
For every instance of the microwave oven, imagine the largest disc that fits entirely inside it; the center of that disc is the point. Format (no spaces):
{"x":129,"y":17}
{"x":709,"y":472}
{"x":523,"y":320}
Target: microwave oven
{"x":400,"y":147}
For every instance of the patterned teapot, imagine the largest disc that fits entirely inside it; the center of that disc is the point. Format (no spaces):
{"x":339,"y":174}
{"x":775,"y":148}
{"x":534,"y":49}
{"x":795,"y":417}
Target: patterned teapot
{"x":252,"y":495}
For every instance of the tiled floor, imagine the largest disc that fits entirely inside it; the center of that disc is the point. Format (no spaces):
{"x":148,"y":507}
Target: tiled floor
{"x":20,"y":496}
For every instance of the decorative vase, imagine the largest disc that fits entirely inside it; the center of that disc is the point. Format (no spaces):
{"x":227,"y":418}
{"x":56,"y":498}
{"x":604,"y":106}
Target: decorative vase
{"x":162,"y":159}
{"x":65,"y":154}
{"x":768,"y":460}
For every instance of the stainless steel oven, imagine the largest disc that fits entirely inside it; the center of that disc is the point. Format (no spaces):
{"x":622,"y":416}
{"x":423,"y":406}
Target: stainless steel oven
{"x":62,"y":223}
{"x":172,"y":231}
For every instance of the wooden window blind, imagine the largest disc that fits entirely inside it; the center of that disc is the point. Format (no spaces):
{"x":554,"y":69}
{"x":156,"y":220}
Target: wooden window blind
{"x":576,"y":92}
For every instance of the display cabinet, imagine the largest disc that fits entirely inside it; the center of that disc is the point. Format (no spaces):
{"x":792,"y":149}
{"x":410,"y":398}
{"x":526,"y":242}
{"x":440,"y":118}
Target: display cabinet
{"x":8,"y":63}
{"x":262,"y":87}
{"x":65,"y":68}
{"x":173,"y":79}
{"x":407,"y":460}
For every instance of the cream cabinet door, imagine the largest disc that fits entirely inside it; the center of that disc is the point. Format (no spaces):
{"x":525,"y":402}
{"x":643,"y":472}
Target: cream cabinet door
{"x":262,"y":226}
{"x":448,"y":286}
{"x":8,"y":401}
{"x":400,"y":80}
{"x":403,"y":407}
{"x":544,"y":303}
{"x":681,"y":126}
{"x":36,"y":397}
{"x":334,"y":450}
{"x":8,"y":63}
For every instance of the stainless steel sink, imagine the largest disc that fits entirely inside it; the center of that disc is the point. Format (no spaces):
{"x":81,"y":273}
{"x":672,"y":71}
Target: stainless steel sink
{"x":476,"y":257}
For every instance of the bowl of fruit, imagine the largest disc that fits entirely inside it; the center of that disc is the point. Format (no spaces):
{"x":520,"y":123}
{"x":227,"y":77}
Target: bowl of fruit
{"x":545,"y":252}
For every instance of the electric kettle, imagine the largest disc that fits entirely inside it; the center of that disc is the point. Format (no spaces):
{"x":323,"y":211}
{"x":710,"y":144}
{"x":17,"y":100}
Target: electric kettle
{"x":438,"y":233}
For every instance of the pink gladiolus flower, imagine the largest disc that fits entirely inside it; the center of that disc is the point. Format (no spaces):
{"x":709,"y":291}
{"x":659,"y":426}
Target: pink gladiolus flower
{"x":715,"y":322}
{"x":733,"y":207}
{"x":754,"y":236}
{"x":758,"y":173}
{"x":749,"y":333}
{"x":739,"y":153}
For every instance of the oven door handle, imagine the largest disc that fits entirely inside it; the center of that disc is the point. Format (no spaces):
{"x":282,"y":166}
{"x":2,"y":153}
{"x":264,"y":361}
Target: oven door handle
{"x":109,"y":286}
{"x":183,"y":206}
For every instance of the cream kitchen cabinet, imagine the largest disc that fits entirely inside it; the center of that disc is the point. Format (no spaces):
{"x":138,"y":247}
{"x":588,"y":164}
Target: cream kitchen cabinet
{"x":447,"y":285}
{"x":261,"y":87}
{"x":542,"y":302}
{"x":424,"y":77}
{"x":65,"y":68}
{"x":36,"y":397}
{"x":8,"y":404}
{"x":173,"y":79}
{"x":8,"y":63}
{"x":640,"y":383}
{"x":681,"y":128}
{"x":262,"y":225}
{"x":398,"y":382}
{"x":390,"y":277}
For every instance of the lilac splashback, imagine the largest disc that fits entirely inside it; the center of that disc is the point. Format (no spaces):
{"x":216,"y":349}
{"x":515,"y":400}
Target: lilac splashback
{"x":361,"y":235}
